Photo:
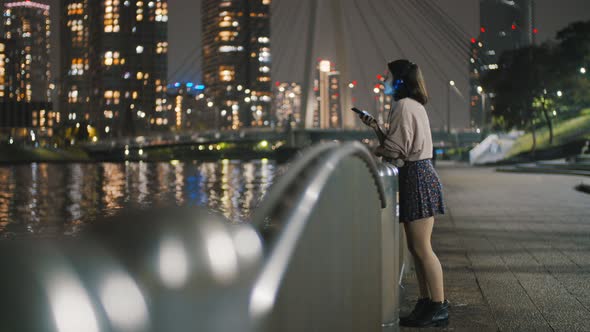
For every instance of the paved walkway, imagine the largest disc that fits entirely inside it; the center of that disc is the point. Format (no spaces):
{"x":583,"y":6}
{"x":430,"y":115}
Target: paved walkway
{"x":515,"y":249}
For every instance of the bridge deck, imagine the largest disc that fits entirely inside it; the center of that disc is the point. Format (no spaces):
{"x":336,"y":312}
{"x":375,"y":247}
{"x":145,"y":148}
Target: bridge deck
{"x":515,"y":250}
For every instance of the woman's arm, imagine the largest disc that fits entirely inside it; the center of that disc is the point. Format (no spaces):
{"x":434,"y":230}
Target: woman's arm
{"x":380,"y":133}
{"x":398,"y":140}
{"x":370,"y":121}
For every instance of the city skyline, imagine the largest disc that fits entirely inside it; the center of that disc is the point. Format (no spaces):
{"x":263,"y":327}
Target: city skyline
{"x":185,"y":23}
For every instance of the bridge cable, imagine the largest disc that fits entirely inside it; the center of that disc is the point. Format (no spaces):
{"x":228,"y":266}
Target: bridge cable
{"x":289,"y":23}
{"x":357,"y":56}
{"x":436,"y":69}
{"x":450,"y":25}
{"x":387,"y":29}
{"x":369,"y":30}
{"x":451,"y":51}
{"x":185,"y":61}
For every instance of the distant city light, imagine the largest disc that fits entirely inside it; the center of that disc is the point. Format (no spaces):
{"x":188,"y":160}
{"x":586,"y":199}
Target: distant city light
{"x":376,"y":90}
{"x":107,"y":129}
{"x":582,"y":70}
{"x":325,"y":66}
{"x":559,"y":93}
{"x":452,"y":83}
{"x":350,"y":85}
{"x":479,"y":89}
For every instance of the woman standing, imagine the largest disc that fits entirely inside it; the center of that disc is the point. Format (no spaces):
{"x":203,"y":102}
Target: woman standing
{"x":406,"y":141}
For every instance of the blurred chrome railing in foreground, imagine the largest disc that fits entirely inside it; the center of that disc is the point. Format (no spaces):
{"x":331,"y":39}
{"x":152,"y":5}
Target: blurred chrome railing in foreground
{"x":322,"y":254}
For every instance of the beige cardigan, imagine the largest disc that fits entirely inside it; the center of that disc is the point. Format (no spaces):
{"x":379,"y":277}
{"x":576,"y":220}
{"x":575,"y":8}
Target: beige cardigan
{"x":407,"y":133}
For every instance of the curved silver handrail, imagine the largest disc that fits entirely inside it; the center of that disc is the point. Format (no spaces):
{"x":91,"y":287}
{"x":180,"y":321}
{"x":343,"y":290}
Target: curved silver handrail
{"x":310,"y":176}
{"x":308,"y":158}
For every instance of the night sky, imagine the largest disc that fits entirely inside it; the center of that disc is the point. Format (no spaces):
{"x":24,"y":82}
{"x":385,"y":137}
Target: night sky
{"x":288,"y":42}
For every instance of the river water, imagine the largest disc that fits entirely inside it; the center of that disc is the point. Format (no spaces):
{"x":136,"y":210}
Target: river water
{"x":51,"y":200}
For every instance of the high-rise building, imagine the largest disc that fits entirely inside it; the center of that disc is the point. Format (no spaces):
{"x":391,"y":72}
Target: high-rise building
{"x":115,"y":64}
{"x":27,"y":76}
{"x":189,"y":106}
{"x":287,"y":104}
{"x":327,"y":87}
{"x":505,"y":25}
{"x":237,"y":61}
{"x":8,"y":70}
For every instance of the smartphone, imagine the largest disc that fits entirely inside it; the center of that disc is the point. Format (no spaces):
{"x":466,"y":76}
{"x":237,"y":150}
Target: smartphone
{"x":356,"y":110}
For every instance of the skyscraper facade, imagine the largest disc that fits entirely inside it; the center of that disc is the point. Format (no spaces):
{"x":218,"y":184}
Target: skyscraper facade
{"x":237,"y":61}
{"x":8,"y":70}
{"x":505,"y":25}
{"x":327,"y":88}
{"x":287,"y":104}
{"x":114,"y":68}
{"x":27,"y":77}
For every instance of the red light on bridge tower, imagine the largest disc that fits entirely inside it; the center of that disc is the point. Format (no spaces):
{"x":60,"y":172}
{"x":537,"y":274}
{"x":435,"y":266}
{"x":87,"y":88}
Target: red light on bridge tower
{"x":513,"y":27}
{"x":482,"y":29}
{"x":473,"y":40}
{"x":535,"y":31}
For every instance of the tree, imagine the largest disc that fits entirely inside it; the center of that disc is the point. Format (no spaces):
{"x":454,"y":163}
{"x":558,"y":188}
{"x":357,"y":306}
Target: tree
{"x":519,"y":80}
{"x":572,"y":54}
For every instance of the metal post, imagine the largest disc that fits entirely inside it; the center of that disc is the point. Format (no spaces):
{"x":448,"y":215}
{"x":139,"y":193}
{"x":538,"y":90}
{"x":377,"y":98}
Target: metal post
{"x":307,"y":91}
{"x":347,"y":117}
{"x":449,"y":109}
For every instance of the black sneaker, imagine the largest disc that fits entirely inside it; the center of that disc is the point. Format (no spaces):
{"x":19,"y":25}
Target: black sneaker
{"x":420,"y":305}
{"x":433,"y":314}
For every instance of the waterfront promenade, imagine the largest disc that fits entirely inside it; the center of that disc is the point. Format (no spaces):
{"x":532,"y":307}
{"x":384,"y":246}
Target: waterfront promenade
{"x":515,"y":250}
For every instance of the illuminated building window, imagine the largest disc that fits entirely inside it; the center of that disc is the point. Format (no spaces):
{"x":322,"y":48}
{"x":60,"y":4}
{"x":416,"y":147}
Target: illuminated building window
{"x":162,"y":47}
{"x":264,"y":55}
{"x":73,"y":95}
{"x":77,"y":67}
{"x":113,"y":58}
{"x":161,"y":12}
{"x":227,"y":73}
{"x":112,"y":97}
{"x":228,"y":35}
{"x":230,"y":48}
{"x":111,"y":16}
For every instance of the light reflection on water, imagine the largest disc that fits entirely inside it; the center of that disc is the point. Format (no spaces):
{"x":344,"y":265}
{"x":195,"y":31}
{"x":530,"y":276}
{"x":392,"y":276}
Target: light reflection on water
{"x":48,"y":200}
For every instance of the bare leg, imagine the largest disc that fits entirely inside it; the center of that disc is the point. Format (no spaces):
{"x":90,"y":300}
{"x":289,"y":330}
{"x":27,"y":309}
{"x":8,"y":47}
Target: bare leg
{"x":419,"y":234}
{"x":422,"y":285}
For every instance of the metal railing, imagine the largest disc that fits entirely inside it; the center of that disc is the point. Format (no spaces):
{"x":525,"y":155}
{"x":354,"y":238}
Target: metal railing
{"x":323,"y":253}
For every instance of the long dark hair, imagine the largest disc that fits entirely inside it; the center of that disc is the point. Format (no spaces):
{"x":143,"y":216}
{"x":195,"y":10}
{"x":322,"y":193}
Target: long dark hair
{"x":414,"y":86}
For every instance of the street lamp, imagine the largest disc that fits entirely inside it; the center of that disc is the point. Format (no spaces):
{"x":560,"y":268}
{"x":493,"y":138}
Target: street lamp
{"x":451,"y":84}
{"x":483,"y":106}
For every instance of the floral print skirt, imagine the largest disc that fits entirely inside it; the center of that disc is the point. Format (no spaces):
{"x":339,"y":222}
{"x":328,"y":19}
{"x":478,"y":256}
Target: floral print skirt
{"x":420,"y":191}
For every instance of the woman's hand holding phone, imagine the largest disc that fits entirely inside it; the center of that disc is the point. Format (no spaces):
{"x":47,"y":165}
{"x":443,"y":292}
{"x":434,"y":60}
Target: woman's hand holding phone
{"x":366,"y":118}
